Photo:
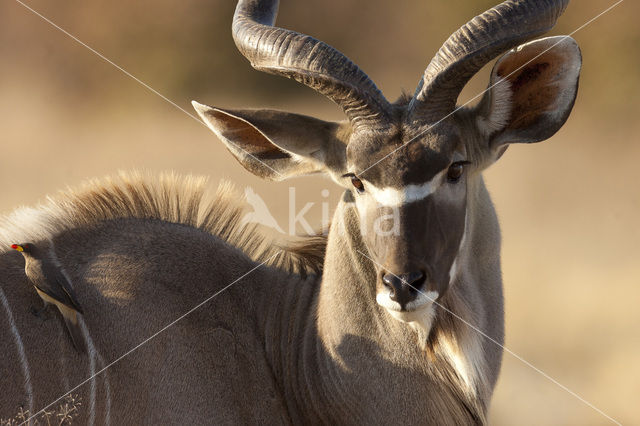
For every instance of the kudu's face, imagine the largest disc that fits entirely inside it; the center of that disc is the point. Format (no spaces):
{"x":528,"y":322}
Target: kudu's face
{"x":409,"y":187}
{"x":406,"y":165}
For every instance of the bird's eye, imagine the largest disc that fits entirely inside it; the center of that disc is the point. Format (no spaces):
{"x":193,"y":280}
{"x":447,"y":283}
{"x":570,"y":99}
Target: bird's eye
{"x":455,"y":171}
{"x":357,"y":184}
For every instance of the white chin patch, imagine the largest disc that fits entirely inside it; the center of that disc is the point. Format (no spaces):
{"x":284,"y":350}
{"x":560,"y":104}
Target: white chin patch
{"x":418,"y":313}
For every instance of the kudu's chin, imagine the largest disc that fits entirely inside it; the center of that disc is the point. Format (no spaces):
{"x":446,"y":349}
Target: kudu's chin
{"x":419,"y":311}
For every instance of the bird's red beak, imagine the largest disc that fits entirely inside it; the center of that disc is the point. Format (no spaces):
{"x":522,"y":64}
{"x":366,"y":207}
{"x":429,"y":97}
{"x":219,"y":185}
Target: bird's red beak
{"x":17,"y":247}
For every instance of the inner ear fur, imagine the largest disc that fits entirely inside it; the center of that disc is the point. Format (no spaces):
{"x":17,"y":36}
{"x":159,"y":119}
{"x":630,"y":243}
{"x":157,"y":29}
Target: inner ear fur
{"x":531,"y":92}
{"x":276,"y":145}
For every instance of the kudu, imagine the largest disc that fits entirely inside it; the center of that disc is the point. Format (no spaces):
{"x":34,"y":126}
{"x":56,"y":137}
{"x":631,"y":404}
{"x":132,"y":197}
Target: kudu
{"x":387,"y":333}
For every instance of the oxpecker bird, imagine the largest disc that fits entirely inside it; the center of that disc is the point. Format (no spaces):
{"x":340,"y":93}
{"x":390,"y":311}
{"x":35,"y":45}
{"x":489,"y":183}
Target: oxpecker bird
{"x":52,"y":284}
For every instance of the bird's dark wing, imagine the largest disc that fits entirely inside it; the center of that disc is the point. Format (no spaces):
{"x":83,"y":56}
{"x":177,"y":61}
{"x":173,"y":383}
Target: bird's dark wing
{"x":58,"y":286}
{"x":64,"y":283}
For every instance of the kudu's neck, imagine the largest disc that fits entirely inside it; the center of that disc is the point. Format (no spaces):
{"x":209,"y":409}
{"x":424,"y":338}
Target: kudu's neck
{"x":347,"y":297}
{"x":316,"y":329}
{"x":332,"y":345}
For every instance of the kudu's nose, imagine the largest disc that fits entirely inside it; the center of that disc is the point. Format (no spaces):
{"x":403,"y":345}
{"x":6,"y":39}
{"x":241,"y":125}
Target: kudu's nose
{"x":404,"y":287}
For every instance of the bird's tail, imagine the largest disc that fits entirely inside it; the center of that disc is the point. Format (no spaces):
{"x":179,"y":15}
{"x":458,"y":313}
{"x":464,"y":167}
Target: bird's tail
{"x":73,"y":327}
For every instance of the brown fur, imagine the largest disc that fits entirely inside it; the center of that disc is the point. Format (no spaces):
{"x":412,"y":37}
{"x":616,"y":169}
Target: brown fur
{"x":142,"y":252}
{"x":173,"y":199}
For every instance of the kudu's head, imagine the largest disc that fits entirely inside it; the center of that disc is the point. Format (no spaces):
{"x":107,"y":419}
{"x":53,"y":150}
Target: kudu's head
{"x":407,"y":165}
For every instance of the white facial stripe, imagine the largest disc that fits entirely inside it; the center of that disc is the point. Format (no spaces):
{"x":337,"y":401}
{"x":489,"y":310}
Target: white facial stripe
{"x":419,"y":313}
{"x":394,"y":197}
{"x":453,"y":272}
{"x":423,"y":300}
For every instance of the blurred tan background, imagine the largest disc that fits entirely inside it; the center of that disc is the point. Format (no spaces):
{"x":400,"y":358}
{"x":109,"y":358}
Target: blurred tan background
{"x":568,"y":206}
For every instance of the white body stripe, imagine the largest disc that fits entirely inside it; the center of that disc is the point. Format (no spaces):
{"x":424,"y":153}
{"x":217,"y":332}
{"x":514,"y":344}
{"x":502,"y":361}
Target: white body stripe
{"x":62,"y":344}
{"x":394,"y":197}
{"x":107,"y":391}
{"x":21,"y":354}
{"x":91,"y":351}
{"x":94,"y":358}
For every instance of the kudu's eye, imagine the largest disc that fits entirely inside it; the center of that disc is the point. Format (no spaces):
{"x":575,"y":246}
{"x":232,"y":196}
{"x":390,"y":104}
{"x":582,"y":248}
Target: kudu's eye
{"x":455,"y":171}
{"x":357,"y":184}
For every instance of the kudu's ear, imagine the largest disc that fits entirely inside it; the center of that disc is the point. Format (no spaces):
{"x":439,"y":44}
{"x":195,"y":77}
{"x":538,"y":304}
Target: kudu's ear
{"x":276,"y":145}
{"x":531,"y":93}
